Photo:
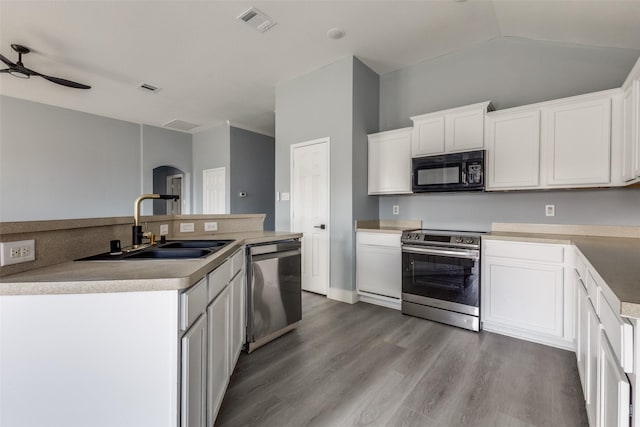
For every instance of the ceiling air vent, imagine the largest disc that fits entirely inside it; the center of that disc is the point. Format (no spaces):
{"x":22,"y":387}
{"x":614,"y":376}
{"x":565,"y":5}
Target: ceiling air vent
{"x":180,"y":125}
{"x":149,"y":88}
{"x":257,"y":20}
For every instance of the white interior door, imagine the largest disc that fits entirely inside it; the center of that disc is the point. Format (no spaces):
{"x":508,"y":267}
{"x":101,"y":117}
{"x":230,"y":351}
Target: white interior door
{"x":310,"y":210}
{"x":213,"y":191}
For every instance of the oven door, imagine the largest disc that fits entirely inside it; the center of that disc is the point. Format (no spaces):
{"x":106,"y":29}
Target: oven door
{"x":442,"y":278}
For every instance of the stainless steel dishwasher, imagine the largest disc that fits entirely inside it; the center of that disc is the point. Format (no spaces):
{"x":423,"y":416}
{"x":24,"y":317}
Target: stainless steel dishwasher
{"x":274,"y":297}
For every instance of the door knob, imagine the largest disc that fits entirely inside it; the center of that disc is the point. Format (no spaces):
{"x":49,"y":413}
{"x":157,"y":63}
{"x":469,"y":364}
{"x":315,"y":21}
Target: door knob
{"x":321,"y":226}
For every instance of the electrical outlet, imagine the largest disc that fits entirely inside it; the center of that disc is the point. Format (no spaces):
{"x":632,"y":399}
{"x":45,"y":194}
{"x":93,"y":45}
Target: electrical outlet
{"x":210,"y":226}
{"x":164,"y":229}
{"x":186,"y":227}
{"x":17,"y":252}
{"x":396,"y":209}
{"x":550,"y":210}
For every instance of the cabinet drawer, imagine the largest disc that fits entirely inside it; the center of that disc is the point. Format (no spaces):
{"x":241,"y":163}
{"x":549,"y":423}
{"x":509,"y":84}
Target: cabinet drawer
{"x":219,"y":278}
{"x":620,"y":334}
{"x":593,"y":290}
{"x":580,"y":266}
{"x":379,"y":239}
{"x":193,"y":302}
{"x":237,"y":262}
{"x":526,"y":251}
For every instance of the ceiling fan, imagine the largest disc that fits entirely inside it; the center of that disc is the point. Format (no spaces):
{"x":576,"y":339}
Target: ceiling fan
{"x":19,"y":70}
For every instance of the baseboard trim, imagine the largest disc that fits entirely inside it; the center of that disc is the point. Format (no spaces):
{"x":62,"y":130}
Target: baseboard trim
{"x":343,"y":295}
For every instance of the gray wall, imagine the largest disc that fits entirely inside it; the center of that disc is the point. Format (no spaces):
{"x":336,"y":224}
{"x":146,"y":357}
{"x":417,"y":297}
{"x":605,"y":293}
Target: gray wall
{"x":79,"y":165}
{"x":165,"y":147}
{"x":510,"y":72}
{"x":366,"y":100}
{"x":314,"y":106}
{"x":210,"y":150}
{"x":507,"y":71}
{"x":253,"y":171}
{"x":57,"y":163}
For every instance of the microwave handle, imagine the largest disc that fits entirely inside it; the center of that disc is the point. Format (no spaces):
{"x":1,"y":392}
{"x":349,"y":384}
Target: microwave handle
{"x":464,"y":173}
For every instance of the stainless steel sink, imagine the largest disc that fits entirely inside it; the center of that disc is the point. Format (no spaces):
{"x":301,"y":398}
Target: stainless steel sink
{"x":172,"y":249}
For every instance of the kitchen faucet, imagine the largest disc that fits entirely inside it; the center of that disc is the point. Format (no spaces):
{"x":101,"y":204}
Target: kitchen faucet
{"x":137,"y":234}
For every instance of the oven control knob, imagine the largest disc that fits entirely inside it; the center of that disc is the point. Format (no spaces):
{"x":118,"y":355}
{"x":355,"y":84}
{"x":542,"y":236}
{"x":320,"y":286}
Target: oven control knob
{"x":416,"y":236}
{"x":459,"y":240}
{"x":469,"y":241}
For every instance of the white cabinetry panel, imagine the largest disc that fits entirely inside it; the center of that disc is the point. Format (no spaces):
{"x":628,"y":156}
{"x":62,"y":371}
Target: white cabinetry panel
{"x":194,"y":366}
{"x":465,"y":130}
{"x":614,"y":388}
{"x":390,"y":162}
{"x":579,"y":142}
{"x":513,"y":145}
{"x":528,"y":296}
{"x":379,"y":266}
{"x":428,"y":137}
{"x":218,"y":353}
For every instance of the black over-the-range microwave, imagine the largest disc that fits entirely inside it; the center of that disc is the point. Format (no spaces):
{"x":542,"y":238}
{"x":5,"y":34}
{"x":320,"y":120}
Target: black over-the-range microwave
{"x":449,"y":172}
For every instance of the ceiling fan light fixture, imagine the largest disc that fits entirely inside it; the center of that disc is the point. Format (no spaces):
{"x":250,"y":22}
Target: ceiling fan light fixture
{"x":19,"y":74}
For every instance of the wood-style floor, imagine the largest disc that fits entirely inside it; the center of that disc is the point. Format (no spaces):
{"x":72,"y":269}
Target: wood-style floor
{"x":364,"y":365}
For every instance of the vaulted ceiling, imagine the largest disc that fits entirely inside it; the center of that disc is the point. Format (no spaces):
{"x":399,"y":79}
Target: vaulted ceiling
{"x":212,"y":67}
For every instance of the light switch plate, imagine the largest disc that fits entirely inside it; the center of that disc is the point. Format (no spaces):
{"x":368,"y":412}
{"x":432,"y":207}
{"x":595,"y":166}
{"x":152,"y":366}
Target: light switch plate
{"x":210,"y":226}
{"x":284,"y":196}
{"x":550,"y":210}
{"x":164,"y":229}
{"x":186,"y":227}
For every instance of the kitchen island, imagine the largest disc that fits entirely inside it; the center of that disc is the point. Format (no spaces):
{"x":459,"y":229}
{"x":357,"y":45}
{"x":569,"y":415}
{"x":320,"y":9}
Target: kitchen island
{"x":126,"y":343}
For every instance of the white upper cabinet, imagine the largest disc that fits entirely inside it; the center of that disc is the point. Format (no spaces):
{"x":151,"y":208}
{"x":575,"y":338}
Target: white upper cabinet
{"x":390,"y":162}
{"x":456,"y":129}
{"x":513,"y":150}
{"x":629,"y":134}
{"x":579,"y":142}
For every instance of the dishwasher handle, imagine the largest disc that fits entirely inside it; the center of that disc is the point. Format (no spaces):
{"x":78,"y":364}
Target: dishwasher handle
{"x":276,"y":247}
{"x":275,"y":255}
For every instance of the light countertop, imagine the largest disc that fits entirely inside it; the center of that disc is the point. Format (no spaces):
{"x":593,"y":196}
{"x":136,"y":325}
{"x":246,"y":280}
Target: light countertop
{"x":79,"y":277}
{"x":616,"y":259}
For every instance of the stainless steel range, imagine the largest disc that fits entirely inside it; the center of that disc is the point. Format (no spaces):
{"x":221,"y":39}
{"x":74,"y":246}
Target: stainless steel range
{"x":441,"y":276}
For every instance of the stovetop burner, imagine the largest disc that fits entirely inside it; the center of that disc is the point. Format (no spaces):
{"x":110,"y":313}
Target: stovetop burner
{"x":444,"y":238}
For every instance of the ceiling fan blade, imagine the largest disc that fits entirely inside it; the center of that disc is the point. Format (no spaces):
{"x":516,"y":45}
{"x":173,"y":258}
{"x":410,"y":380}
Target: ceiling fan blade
{"x":64,"y":82}
{"x":6,"y":61}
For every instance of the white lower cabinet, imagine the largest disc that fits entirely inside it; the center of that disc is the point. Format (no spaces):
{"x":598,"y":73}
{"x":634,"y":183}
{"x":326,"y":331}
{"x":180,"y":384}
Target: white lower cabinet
{"x":378,"y":268}
{"x":523,"y":293}
{"x":193,"y":382}
{"x":615,"y":391}
{"x":218,"y":353}
{"x":604,"y":351}
{"x":237,"y":316}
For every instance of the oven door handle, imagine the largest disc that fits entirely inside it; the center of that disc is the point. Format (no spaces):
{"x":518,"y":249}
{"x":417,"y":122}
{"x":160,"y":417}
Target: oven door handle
{"x":451,"y":253}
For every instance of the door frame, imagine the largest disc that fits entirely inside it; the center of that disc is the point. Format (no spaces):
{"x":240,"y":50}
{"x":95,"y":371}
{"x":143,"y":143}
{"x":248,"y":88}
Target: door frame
{"x":182,"y":182}
{"x":325,"y":140}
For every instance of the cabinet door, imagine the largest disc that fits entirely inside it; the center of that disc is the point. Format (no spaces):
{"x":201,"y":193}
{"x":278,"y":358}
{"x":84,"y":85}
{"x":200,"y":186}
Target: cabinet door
{"x":629,"y":135}
{"x":379,"y":270}
{"x":428,"y":137}
{"x":582,"y":336}
{"x":237,"y":318}
{"x":193,"y":388}
{"x":218,"y":353}
{"x":390,"y":163}
{"x":524,"y":296}
{"x":591,"y":367}
{"x":465,"y":130}
{"x":614,"y":388}
{"x":578,"y":139}
{"x":513,"y":146}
